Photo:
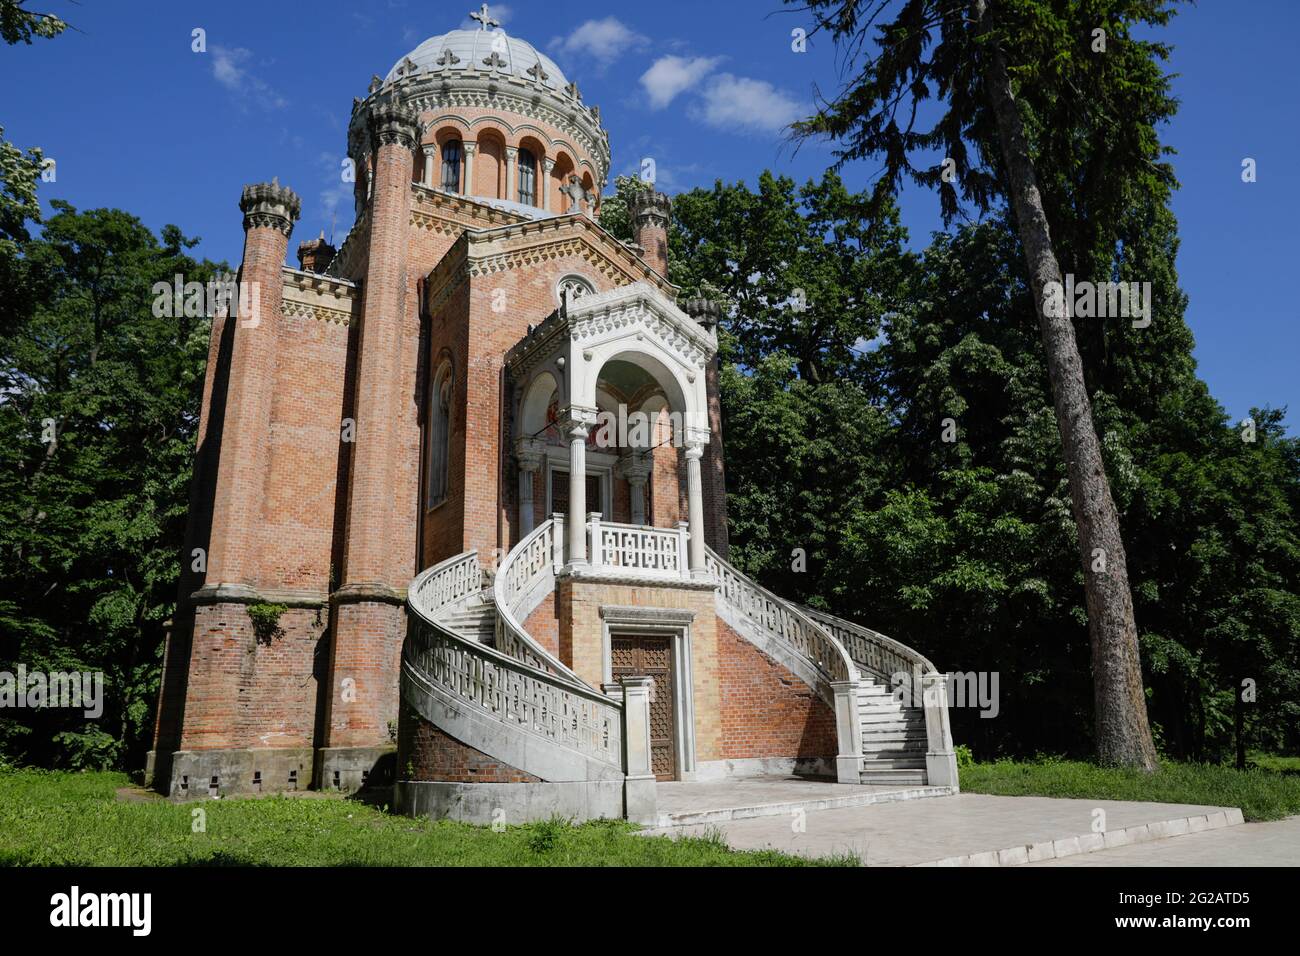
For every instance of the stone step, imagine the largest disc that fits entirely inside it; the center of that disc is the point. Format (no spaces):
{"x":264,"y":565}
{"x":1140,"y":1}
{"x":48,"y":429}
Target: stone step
{"x":893,"y":739}
{"x":900,"y":778}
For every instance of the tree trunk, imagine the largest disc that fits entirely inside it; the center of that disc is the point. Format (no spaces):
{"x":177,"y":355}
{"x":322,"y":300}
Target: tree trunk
{"x":1123,"y":734}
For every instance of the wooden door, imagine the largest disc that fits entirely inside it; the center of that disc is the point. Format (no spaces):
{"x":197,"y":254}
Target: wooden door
{"x":639,"y":655}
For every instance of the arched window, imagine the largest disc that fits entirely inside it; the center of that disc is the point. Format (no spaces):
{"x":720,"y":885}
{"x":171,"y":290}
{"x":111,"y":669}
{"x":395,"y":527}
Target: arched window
{"x":451,"y":166}
{"x":527,"y":178}
{"x":439,"y":433}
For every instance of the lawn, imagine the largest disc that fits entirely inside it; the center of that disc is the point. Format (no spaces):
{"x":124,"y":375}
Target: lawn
{"x":1261,"y":794}
{"x":76,"y":819}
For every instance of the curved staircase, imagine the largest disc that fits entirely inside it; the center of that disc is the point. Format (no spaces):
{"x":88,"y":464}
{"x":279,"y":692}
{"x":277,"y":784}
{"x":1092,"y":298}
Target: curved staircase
{"x":471,"y":670}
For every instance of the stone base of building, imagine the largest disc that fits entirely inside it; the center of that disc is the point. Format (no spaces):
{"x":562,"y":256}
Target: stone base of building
{"x":201,"y":774}
{"x":820,"y":768}
{"x":511,"y":803}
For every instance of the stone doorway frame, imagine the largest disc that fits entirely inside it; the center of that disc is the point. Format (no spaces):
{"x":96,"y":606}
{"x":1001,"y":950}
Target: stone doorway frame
{"x":675,"y":625}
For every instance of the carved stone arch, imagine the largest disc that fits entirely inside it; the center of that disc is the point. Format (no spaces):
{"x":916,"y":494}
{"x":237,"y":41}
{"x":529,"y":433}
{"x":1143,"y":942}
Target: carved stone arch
{"x":534,"y":401}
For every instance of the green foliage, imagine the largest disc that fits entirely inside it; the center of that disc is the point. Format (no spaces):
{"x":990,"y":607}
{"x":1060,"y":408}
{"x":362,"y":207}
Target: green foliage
{"x":75,"y":819}
{"x":965,"y":758}
{"x":19,"y":25}
{"x":266,"y":620}
{"x":97,"y":433}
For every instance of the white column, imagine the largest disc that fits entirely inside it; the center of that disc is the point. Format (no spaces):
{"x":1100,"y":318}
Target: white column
{"x":636,"y":490}
{"x":429,"y":153}
{"x":548,"y":166}
{"x":695,"y":508}
{"x":512,"y":164}
{"x":577,"y":523}
{"x":468,"y":179}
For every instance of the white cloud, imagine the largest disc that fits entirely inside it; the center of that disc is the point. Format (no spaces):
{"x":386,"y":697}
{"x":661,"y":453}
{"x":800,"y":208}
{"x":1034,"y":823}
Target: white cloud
{"x":747,"y":105}
{"x":603,"y":40}
{"x":671,"y":75}
{"x":228,"y":69}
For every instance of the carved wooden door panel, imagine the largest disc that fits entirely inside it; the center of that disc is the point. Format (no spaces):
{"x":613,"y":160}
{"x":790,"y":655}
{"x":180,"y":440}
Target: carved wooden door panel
{"x":639,"y":655}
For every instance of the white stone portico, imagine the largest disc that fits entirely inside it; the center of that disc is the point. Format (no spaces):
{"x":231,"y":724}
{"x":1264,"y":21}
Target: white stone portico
{"x":562,"y":359}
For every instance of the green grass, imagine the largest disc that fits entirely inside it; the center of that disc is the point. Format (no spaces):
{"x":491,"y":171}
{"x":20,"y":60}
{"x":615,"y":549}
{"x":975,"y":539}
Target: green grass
{"x":1274,"y":763}
{"x":75,"y":819}
{"x":1261,"y":794}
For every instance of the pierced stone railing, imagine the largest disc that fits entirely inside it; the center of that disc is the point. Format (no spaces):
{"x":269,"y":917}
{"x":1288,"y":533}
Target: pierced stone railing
{"x":515,"y":694}
{"x":782,"y":620}
{"x":446,"y":583}
{"x":638,"y":549}
{"x":872,"y":651}
{"x":531,"y":558}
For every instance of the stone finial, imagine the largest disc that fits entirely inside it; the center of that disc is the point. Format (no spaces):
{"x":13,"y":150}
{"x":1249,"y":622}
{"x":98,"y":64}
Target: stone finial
{"x":650,"y":208}
{"x":315,"y":255}
{"x":375,"y":82}
{"x":394,"y":124}
{"x":270,"y":205}
{"x":704,"y":311}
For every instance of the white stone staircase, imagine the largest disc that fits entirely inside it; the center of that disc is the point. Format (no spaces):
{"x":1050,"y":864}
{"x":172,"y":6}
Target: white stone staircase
{"x":475,"y":620}
{"x":894,"y":738}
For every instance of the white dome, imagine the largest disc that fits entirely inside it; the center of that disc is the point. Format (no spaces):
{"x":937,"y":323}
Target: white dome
{"x":473,"y":47}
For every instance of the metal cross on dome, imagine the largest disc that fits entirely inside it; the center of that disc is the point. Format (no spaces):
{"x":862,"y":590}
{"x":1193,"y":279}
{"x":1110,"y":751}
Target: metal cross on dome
{"x":485,"y":21}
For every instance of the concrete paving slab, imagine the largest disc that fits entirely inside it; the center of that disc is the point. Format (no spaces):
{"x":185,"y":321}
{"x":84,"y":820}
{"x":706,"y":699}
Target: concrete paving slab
{"x":1276,"y":843}
{"x":740,"y":798}
{"x":960,"y":830}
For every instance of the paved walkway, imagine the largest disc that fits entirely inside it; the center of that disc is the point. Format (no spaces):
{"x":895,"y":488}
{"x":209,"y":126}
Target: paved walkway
{"x":1276,"y":843}
{"x":916,"y":831}
{"x":743,"y":797}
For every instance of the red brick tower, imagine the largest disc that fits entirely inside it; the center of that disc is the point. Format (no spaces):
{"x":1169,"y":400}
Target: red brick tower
{"x":369,"y":622}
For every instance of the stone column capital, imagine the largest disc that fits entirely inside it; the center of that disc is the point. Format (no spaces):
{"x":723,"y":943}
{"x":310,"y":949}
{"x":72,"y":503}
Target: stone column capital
{"x":270,"y":205}
{"x":548,"y":163}
{"x":512,"y":151}
{"x":634,"y":468}
{"x":529,"y":452}
{"x":576,"y":421}
{"x":470,"y":146}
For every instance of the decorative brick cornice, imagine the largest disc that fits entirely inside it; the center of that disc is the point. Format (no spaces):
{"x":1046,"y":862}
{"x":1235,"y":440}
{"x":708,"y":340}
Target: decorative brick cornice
{"x":313,"y":296}
{"x":270,"y":205}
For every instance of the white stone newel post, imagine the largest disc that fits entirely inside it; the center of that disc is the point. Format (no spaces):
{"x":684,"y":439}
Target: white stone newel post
{"x":597,"y":555}
{"x":940,"y":758}
{"x":695,"y":508}
{"x":512,"y":163}
{"x":848,"y":730}
{"x":577,"y":493}
{"x":557,"y":542}
{"x":640,"y":804}
{"x":429,"y":153}
{"x":467,"y":181}
{"x":683,"y":552}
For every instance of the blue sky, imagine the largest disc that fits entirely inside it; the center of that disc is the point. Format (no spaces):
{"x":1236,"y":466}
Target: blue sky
{"x":135,"y":119}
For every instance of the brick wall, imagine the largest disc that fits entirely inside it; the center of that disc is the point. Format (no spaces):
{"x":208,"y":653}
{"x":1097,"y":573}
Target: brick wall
{"x":245,"y":692}
{"x":543,"y":624}
{"x":766,"y":710}
{"x":430,"y":754}
{"x":581,"y":645}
